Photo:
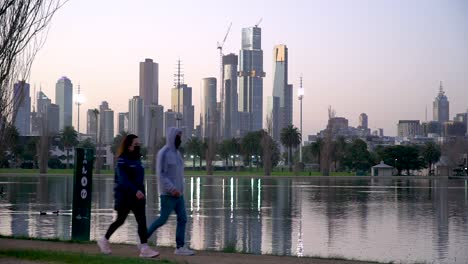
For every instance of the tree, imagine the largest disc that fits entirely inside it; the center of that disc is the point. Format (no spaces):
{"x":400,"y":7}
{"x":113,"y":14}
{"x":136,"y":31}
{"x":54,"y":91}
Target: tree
{"x":193,"y":147}
{"x":23,"y":27}
{"x":224,"y":150}
{"x":250,"y":146}
{"x":339,"y":149}
{"x":316,"y":149}
{"x":234,"y":149}
{"x":431,"y":154}
{"x":356,"y":157}
{"x":290,"y":138}
{"x":69,"y":138}
{"x":402,"y":157}
{"x":87,"y":143}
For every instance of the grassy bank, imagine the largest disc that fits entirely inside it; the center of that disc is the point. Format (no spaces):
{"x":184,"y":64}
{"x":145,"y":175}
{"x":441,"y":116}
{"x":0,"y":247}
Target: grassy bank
{"x":253,"y":172}
{"x":69,"y":257}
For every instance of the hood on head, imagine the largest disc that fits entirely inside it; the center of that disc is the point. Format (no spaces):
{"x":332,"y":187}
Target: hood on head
{"x":171,"y":134}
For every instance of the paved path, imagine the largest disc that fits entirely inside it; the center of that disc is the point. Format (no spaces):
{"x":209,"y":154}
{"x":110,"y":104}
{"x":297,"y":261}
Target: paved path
{"x":202,"y":257}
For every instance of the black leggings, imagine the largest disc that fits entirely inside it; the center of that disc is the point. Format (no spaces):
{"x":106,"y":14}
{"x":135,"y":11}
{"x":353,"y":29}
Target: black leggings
{"x":122,"y":213}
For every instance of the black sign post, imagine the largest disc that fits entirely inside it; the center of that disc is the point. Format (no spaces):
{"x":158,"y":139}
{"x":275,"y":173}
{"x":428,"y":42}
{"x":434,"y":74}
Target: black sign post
{"x":82,"y":188}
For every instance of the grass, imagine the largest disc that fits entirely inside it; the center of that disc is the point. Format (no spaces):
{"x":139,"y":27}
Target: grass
{"x":253,"y":172}
{"x":66,"y":257}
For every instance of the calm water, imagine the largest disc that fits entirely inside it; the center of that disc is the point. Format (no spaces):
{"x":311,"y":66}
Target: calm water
{"x":387,"y":220}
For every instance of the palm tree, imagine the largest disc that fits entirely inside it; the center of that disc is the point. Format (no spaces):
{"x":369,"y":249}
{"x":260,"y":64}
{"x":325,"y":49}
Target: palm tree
{"x":250,"y":146}
{"x":69,"y":138}
{"x":290,"y":138}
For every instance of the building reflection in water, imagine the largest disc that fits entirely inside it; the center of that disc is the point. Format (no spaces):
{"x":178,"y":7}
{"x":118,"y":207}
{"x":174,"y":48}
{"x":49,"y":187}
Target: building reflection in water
{"x":403,"y":220}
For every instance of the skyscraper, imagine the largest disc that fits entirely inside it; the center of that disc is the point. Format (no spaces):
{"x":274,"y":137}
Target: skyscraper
{"x":273,"y":116}
{"x":149,"y":87}
{"x":441,"y":106}
{"x":209,"y":107}
{"x":123,"y":122}
{"x":409,"y":128}
{"x":43,"y":103}
{"x":230,"y":111}
{"x":169,"y":120}
{"x":64,"y":99}
{"x":92,"y":124}
{"x":281,"y":90}
{"x":108,"y":126}
{"x":187,"y":110}
{"x":363,"y":121}
{"x":106,"y":123}
{"x":53,"y":117}
{"x":251,"y":78}
{"x":22,"y":103}
{"x":154,"y":121}
{"x":135,"y":115}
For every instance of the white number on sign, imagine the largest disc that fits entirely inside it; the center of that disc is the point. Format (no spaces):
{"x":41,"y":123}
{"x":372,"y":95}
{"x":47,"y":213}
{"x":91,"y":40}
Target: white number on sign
{"x":84,"y":194}
{"x":84,"y":181}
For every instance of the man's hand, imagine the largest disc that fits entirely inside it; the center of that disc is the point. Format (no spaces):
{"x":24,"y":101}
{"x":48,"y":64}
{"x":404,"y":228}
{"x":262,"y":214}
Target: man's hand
{"x":140,"y":195}
{"x":175,"y":193}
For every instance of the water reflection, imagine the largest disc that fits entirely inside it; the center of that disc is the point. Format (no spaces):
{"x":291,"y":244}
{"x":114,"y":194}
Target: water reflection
{"x":404,"y":220}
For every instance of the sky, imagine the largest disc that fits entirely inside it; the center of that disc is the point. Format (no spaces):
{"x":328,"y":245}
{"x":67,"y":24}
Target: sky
{"x":383,"y":58}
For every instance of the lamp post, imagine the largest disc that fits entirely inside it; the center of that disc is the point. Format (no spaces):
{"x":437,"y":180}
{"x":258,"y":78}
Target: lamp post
{"x":395,"y":165}
{"x":300,"y":94}
{"x":79,"y":101}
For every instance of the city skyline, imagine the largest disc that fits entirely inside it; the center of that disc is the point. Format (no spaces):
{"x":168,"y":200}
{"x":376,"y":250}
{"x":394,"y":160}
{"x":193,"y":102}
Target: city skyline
{"x":346,"y":60}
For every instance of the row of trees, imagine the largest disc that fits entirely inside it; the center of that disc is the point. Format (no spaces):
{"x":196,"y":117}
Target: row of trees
{"x":354,"y":156}
{"x":255,"y":148}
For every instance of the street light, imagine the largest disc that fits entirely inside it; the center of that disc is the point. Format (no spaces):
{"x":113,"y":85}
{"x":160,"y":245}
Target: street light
{"x":395,"y":165}
{"x":79,"y":100}
{"x":300,"y":94}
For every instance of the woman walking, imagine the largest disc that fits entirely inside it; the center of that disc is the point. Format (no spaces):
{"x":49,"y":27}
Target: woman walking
{"x":129,"y":193}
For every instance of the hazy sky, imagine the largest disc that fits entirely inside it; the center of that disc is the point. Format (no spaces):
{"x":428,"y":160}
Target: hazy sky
{"x":383,"y":58}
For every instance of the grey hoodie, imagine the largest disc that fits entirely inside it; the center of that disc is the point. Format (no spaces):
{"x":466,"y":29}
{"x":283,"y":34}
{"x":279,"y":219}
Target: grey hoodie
{"x":170,"y":165}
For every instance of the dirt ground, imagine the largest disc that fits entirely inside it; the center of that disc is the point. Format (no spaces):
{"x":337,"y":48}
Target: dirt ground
{"x":202,"y":257}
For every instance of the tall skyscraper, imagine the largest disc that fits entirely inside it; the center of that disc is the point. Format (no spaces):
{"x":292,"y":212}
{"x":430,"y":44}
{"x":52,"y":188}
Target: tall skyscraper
{"x":281,"y":90}
{"x":135,"y":115}
{"x":92,"y":124}
{"x":209,"y":107}
{"x":441,"y":106}
{"x":251,"y":78}
{"x":169,"y":120}
{"x":108,"y":126}
{"x":154,"y":121}
{"x":106,"y":123}
{"x":149,"y":88}
{"x":43,"y":103}
{"x":22,"y":103}
{"x":123,"y":122}
{"x":363,"y":121}
{"x":273,"y":116}
{"x":230,"y":111}
{"x":53,"y":117}
{"x":64,"y":99}
{"x":186,"y":108}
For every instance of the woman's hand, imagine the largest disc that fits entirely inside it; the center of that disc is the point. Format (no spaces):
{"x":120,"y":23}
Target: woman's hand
{"x":140,"y":195}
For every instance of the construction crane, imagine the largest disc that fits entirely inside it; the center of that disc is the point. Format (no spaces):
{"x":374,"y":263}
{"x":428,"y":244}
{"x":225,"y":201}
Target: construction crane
{"x":259,"y":21}
{"x":221,"y":73}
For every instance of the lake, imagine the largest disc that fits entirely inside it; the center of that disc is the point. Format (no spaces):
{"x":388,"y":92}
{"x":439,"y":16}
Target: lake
{"x":401,"y":220}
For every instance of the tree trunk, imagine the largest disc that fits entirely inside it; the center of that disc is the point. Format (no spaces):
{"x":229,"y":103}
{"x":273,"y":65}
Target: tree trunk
{"x":290,"y":159}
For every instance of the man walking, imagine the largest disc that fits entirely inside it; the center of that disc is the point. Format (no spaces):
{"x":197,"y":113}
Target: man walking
{"x":170,"y":172}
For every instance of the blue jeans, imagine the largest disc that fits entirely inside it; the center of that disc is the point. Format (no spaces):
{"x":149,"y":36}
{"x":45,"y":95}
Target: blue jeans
{"x":169,"y":203}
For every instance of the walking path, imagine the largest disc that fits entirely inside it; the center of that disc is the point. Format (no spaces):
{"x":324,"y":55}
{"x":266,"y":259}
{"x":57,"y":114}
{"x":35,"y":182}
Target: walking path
{"x":202,"y":257}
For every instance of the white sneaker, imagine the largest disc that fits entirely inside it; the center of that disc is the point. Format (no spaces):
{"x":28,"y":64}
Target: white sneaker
{"x":104,"y":246}
{"x":184,"y":251}
{"x":147,"y":252}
